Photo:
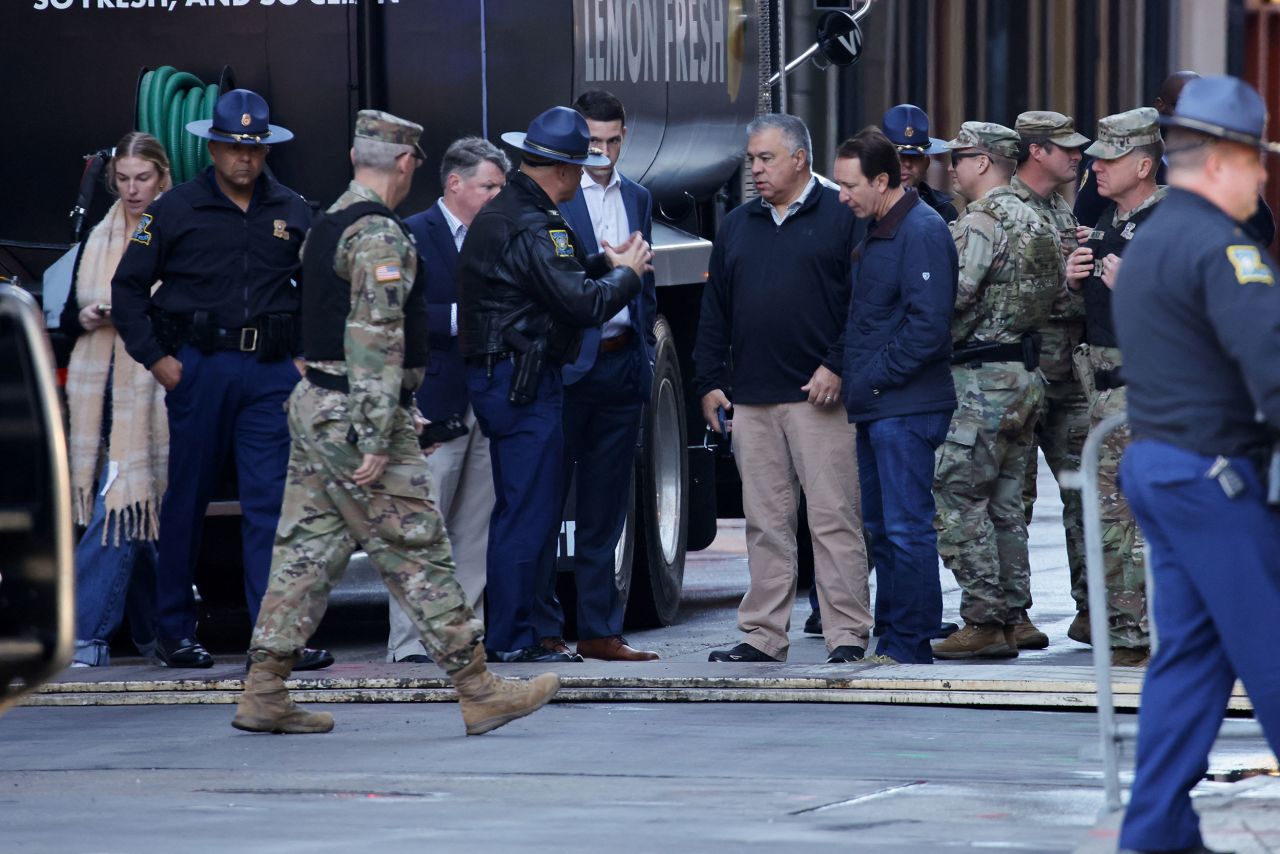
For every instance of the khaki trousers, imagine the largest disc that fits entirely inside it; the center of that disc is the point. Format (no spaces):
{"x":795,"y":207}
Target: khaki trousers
{"x":782,"y":449}
{"x":462,"y":481}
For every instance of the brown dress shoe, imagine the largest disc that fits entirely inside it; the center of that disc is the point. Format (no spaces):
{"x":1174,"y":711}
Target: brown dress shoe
{"x":557,"y":644}
{"x":613,"y":649}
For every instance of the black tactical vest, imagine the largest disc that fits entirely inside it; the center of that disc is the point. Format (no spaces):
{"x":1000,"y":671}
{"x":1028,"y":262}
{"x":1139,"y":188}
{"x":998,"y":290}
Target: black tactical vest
{"x":1108,"y":238}
{"x":326,"y":296}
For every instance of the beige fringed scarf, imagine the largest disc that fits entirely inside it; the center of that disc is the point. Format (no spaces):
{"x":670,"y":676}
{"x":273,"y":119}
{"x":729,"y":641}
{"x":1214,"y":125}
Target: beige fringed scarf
{"x":138,"y":447}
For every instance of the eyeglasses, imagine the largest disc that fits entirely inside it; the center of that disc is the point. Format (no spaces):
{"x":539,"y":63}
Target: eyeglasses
{"x":957,"y":157}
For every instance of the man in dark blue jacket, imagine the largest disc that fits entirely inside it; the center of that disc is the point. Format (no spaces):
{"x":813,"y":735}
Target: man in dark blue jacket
{"x":770,"y":338}
{"x":472,"y":172}
{"x":897,"y":385}
{"x":605,"y":390}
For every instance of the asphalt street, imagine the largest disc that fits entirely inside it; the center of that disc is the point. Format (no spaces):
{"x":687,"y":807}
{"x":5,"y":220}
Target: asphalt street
{"x":583,"y":777}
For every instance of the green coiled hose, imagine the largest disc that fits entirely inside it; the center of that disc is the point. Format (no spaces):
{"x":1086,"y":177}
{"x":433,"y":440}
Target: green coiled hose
{"x":167,"y":100}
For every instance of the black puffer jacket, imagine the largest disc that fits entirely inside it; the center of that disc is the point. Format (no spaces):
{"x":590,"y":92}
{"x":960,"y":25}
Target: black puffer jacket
{"x":522,"y":268}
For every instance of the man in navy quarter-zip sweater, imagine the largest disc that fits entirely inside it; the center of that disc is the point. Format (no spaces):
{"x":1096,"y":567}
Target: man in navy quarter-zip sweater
{"x":771,"y":339}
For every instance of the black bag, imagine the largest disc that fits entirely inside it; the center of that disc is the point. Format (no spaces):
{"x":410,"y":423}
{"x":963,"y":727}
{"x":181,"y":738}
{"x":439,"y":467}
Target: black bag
{"x":438,"y":432}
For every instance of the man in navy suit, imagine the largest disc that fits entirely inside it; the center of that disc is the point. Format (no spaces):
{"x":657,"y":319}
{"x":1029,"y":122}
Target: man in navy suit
{"x":605,"y":390}
{"x":472,"y":172}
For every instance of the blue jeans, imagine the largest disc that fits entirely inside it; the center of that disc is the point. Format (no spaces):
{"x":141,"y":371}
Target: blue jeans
{"x":895,"y":468}
{"x":1217,"y":593}
{"x":110,"y":581}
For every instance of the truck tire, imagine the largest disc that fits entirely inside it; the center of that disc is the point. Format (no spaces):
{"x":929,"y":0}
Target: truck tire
{"x":661,"y":493}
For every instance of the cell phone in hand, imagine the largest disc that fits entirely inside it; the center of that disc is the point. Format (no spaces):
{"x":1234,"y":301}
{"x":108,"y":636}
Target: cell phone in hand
{"x":104,"y":308}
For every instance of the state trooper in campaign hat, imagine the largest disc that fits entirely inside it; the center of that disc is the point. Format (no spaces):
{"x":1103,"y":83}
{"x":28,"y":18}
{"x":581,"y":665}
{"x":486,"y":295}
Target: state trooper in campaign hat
{"x":1224,"y":107}
{"x":240,"y":117}
{"x":907,"y":127}
{"x":558,"y":134}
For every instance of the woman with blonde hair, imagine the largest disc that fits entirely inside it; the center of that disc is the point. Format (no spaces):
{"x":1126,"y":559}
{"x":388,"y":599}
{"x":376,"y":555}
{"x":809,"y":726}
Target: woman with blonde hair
{"x":119,"y":441}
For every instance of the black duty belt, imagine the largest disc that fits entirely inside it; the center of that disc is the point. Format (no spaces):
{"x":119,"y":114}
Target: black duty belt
{"x":981,"y":353}
{"x":333,"y":382}
{"x":488,"y":360}
{"x":1105,"y":380}
{"x":244,"y":339}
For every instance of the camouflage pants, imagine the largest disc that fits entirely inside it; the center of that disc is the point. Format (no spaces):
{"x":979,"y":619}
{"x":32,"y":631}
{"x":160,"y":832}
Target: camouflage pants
{"x":1122,"y":545}
{"x":326,"y":517}
{"x":1061,"y":428}
{"x":977,"y":486}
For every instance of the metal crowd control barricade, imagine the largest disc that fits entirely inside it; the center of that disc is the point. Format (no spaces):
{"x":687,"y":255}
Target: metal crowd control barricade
{"x":1110,"y":733}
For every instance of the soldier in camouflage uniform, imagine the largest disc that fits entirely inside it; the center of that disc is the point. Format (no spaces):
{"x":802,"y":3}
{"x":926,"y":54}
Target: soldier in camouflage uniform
{"x":1010,"y":273}
{"x":1049,"y":155}
{"x":1128,"y":152}
{"x":357,"y":477}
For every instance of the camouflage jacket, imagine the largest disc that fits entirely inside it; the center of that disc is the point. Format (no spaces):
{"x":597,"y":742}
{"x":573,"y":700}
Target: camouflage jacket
{"x":1065,"y":329}
{"x":374,"y":339}
{"x":1010,"y":269}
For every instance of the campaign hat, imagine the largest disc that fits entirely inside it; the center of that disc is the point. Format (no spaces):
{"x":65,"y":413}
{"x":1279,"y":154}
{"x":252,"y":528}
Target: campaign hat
{"x":240,"y":116}
{"x":907,"y":127}
{"x":1224,"y":107}
{"x":558,"y":134}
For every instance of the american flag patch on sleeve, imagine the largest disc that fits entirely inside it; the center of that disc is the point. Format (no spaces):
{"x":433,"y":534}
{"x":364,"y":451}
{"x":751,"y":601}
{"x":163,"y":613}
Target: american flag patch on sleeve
{"x":386,"y":273}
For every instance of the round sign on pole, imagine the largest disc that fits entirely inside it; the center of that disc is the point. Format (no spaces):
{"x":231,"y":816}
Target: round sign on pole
{"x":839,"y":38}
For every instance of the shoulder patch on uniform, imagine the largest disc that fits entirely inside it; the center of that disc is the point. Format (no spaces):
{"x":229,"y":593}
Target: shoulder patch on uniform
{"x":1249,"y":265}
{"x":141,"y":234}
{"x":560,"y":238}
{"x":386,"y":273}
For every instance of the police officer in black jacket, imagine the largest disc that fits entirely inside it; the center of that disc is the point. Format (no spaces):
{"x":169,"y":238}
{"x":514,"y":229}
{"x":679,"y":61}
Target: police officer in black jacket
{"x":527,"y":292}
{"x":1197,"y":310}
{"x":218,"y":334}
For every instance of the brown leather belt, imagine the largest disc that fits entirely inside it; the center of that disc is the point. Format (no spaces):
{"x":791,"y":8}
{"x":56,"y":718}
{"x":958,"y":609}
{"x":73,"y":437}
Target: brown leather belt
{"x":616,"y":343}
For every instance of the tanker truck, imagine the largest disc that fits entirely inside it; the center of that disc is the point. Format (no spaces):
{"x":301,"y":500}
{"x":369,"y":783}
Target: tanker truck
{"x":692,"y":74}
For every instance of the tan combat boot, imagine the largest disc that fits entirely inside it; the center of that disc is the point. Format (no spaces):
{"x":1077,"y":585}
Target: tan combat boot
{"x":976,"y":641}
{"x":1025,"y":635}
{"x":489,"y":701}
{"x":265,"y":705}
{"x":1080,"y":629}
{"x":1130,"y":656}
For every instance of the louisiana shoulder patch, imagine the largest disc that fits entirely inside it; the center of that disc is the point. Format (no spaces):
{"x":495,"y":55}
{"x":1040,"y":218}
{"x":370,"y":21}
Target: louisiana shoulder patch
{"x":560,"y":238}
{"x":142,"y":233}
{"x":1249,"y":266}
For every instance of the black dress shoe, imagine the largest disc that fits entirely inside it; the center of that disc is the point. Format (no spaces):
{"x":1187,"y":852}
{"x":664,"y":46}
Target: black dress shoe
{"x":946,"y":630}
{"x":183,"y":652}
{"x":313,"y":659}
{"x":846,"y":655}
{"x":416,"y":658}
{"x":535,"y":653}
{"x":741,"y":652}
{"x":813,"y":625}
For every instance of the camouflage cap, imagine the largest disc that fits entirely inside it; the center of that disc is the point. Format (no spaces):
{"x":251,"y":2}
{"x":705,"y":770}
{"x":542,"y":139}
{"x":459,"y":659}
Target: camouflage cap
{"x":384,"y":127}
{"x":986,"y":136}
{"x":1123,"y":132}
{"x":1055,"y":127}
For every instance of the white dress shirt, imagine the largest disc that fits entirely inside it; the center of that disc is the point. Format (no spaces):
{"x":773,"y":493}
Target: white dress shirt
{"x":609,"y":222}
{"x":459,"y":231}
